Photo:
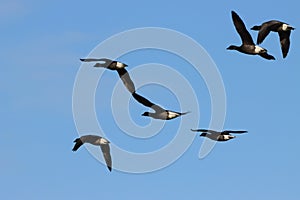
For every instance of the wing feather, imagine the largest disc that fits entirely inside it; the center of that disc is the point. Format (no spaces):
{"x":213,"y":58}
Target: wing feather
{"x":241,"y":29}
{"x":106,"y":154}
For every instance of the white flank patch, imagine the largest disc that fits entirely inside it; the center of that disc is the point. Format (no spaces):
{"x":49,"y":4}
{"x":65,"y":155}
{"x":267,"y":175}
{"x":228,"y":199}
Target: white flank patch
{"x":258,"y":49}
{"x":226,"y":137}
{"x":103,"y":141}
{"x":172,"y":114}
{"x":285,"y":27}
{"x":120,"y":65}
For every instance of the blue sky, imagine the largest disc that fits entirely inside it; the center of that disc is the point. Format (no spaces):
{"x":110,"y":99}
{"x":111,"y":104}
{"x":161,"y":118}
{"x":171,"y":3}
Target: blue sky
{"x":41,"y":45}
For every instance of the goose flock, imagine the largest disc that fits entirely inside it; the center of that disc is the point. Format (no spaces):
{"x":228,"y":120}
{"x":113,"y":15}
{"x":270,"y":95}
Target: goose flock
{"x":247,"y":47}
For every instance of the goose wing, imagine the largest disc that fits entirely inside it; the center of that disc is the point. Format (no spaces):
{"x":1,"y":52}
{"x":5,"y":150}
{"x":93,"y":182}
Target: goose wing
{"x":230,"y":131}
{"x":241,"y":29}
{"x":284,"y":37}
{"x":95,"y":60}
{"x":106,"y":154}
{"x":147,"y":103}
{"x":124,"y":75}
{"x":83,"y":139}
{"x":266,"y":29}
{"x":205,"y":131}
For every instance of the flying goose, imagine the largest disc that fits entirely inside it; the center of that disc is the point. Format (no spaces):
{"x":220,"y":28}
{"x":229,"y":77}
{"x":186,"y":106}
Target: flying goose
{"x":98,"y":141}
{"x":160,"y":113}
{"x":216,"y":135}
{"x":283,"y":30}
{"x":248,"y":46}
{"x":114,"y":65}
{"x":105,"y":63}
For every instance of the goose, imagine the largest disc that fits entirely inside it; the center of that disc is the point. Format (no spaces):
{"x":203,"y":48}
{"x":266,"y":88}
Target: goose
{"x":105,"y":63}
{"x":216,"y":135}
{"x":248,"y":46}
{"x":98,"y":141}
{"x":159,"y":113}
{"x":114,"y":65}
{"x":283,"y":30}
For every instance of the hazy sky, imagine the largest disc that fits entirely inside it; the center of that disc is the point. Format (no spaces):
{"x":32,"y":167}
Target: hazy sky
{"x":41,"y":43}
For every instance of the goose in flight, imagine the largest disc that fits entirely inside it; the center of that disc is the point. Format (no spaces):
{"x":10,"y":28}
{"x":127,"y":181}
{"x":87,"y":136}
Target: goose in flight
{"x":283,"y":30}
{"x":159,"y":113}
{"x":114,"y":65}
{"x":216,"y":135}
{"x":105,"y":63}
{"x":98,"y":141}
{"x":248,"y":46}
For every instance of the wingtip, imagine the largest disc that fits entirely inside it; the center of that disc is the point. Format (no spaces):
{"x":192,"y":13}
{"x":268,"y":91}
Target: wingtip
{"x":109,"y":168}
{"x":233,"y":12}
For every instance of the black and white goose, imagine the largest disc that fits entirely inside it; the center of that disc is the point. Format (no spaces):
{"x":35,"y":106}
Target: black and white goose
{"x":159,"y":113}
{"x":98,"y":141}
{"x":216,"y":135}
{"x":114,"y":65}
{"x":105,"y":63}
{"x":248,"y":46}
{"x":283,"y":30}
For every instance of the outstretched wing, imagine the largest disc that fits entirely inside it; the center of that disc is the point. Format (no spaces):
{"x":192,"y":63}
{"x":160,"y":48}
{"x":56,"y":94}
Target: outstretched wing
{"x":262,"y":34}
{"x":205,"y":131}
{"x":106,"y":154}
{"x":124,"y":75}
{"x":230,"y":131}
{"x":147,"y":103}
{"x":95,"y":60}
{"x":284,"y":37}
{"x":241,"y":29}
{"x":266,"y":29}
